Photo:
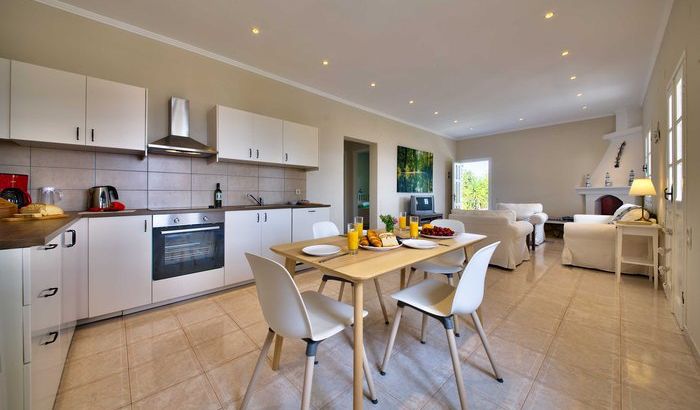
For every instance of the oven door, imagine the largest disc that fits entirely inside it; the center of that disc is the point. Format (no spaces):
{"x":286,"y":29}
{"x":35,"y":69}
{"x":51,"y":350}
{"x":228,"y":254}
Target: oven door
{"x":187,"y":249}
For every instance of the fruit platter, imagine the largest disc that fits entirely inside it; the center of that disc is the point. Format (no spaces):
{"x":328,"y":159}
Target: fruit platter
{"x":437,"y":232}
{"x":379,"y":242}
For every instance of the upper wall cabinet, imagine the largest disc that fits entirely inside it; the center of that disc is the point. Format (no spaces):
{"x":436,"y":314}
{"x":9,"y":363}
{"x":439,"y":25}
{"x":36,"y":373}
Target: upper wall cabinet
{"x":115,"y":115}
{"x":300,"y":145}
{"x":244,"y":136}
{"x":47,"y":105}
{"x":56,"y":107}
{"x":4,"y":98}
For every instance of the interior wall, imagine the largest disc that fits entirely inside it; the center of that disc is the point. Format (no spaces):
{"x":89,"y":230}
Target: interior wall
{"x":542,"y":164}
{"x":43,"y":35}
{"x":682,"y":35}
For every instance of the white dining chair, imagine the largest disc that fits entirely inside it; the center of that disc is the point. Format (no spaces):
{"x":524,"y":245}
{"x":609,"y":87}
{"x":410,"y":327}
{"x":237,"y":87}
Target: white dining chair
{"x":443,"y":302}
{"x":448,"y":264}
{"x":325,"y":229}
{"x":309,"y":316}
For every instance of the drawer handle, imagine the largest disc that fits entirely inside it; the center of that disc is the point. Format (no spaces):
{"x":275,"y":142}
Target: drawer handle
{"x":50,"y":246}
{"x":73,"y":238}
{"x":46,"y":293}
{"x":54,"y":336}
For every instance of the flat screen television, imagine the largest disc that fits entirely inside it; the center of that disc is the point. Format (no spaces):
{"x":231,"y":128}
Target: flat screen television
{"x":422,"y":204}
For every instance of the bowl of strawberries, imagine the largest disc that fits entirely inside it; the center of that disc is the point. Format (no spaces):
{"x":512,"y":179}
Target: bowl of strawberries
{"x":437,"y":232}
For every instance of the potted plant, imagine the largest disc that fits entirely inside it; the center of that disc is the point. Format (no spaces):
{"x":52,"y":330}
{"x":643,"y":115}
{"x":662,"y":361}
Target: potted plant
{"x":389,"y":222}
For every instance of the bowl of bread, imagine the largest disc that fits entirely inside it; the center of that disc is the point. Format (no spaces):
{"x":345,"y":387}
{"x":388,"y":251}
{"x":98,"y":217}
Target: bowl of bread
{"x":379,"y":242}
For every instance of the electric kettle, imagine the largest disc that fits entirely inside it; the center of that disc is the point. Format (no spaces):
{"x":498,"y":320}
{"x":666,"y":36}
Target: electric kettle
{"x":50,"y":195}
{"x":101,"y":197}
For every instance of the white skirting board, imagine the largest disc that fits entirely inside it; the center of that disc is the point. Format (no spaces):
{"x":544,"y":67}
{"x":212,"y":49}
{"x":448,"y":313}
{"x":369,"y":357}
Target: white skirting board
{"x":176,"y":287}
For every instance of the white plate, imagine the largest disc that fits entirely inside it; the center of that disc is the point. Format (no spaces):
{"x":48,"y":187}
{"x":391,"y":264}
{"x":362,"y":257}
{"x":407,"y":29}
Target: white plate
{"x":380,"y":249}
{"x":321,"y":250}
{"x":438,"y":237}
{"x":419,"y":243}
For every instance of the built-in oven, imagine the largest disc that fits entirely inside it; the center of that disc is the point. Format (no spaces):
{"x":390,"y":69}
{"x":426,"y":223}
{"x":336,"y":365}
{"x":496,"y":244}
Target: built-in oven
{"x":187,"y":243}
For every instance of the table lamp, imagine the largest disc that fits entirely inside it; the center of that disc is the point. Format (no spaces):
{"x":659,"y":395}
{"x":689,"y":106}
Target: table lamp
{"x":642,"y":187}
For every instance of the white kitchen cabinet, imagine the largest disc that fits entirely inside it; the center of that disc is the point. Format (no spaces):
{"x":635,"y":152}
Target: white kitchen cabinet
{"x":303,"y":220}
{"x":47,"y":105}
{"x":4,"y":98}
{"x":300,"y":145}
{"x":276,"y":228}
{"x":74,"y":280}
{"x":11,"y":334}
{"x":242,"y":235}
{"x":268,"y":136}
{"x":119,"y":269}
{"x":232,"y":131}
{"x":115,"y":115}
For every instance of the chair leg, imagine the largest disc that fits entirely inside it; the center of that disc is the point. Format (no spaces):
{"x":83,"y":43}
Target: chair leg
{"x":451,"y":282}
{"x":457,"y":368}
{"x":482,"y":335}
{"x":370,"y":380}
{"x":424,"y":321}
{"x":381,"y":300}
{"x":392,"y":339}
{"x":410,"y":276}
{"x":322,"y":286}
{"x":308,"y":381}
{"x":340,"y":294}
{"x":258,"y":366}
{"x":277,"y":353}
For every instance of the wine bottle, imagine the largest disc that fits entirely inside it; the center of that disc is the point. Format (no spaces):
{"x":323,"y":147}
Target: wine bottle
{"x":218,"y":195}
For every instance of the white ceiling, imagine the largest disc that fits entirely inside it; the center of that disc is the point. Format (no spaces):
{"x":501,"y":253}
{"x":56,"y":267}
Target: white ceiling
{"x":484,"y":63}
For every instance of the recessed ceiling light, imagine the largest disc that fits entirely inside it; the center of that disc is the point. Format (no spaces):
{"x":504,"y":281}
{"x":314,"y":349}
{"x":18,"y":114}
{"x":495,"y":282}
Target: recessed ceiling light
{"x":564,"y":53}
{"x":548,"y":15}
{"x":471,"y":128}
{"x":255,"y":30}
{"x":411,"y":102}
{"x":521,"y":119}
{"x":436,"y":113}
{"x":579,"y":94}
{"x":455,"y":121}
{"x":573,"y":77}
{"x":372,"y":84}
{"x":585,"y":107}
{"x":325,"y":62}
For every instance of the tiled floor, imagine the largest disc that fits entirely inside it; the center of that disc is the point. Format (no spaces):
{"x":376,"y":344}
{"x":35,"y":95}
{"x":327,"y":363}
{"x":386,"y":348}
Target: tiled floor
{"x":564,"y":338}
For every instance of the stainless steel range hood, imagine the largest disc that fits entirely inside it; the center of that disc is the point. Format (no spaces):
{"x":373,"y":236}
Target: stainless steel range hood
{"x":178,"y":141}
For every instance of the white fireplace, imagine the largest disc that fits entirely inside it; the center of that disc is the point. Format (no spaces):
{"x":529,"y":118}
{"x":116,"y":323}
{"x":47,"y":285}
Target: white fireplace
{"x":593,"y":194}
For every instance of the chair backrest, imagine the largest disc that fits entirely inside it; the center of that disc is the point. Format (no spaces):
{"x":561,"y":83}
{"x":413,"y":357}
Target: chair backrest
{"x":470,"y":289}
{"x":455,"y":257}
{"x":325,"y":229}
{"x":281,"y":302}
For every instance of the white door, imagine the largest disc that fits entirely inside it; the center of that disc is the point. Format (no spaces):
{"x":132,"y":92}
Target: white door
{"x":234,"y":133}
{"x":303,"y":220}
{"x":300,"y":144}
{"x":457,"y":185}
{"x":242,"y":235}
{"x":47,"y":105}
{"x":470,"y":184}
{"x":4,"y":98}
{"x":119,"y":269}
{"x":268,"y":136}
{"x":675,"y":196}
{"x":276,"y":229}
{"x":115,"y":115}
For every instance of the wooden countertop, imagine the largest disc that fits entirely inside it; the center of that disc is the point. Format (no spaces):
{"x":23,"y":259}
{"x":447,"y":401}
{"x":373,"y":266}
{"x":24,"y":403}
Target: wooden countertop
{"x":36,"y":233}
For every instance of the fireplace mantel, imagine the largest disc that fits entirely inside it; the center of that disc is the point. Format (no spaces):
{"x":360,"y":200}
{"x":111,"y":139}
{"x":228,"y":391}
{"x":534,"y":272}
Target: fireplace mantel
{"x":591,"y":194}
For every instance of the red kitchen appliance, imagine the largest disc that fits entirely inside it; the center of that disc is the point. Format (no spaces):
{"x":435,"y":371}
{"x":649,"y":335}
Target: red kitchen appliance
{"x":15,"y":188}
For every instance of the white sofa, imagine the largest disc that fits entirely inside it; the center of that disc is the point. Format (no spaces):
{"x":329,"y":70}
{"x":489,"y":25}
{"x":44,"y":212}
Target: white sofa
{"x":532,"y":213}
{"x":590,"y":242}
{"x":498,"y":226}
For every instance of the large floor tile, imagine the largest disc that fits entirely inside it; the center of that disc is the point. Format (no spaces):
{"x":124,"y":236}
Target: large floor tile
{"x":156,"y":347}
{"x":215,"y":352}
{"x":518,"y":358}
{"x":230,"y":380}
{"x":90,"y":341}
{"x":542,"y":397}
{"x":91,"y":368}
{"x":675,"y":387}
{"x":526,"y":336}
{"x":203,"y":310}
{"x":210,"y":329}
{"x":112,"y":392}
{"x":159,"y":374}
{"x":579,"y":385}
{"x":148,"y":324}
{"x":194,"y":394}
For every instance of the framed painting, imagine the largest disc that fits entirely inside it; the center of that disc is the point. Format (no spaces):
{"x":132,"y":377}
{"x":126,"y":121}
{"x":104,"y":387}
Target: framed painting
{"x":414,"y":170}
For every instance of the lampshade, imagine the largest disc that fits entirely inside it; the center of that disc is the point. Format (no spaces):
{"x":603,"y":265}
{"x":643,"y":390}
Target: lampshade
{"x":642,"y":187}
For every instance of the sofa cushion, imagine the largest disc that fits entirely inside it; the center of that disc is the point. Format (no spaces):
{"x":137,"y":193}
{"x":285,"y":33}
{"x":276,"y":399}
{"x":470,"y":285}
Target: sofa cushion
{"x":522,"y":211}
{"x":628,"y":214}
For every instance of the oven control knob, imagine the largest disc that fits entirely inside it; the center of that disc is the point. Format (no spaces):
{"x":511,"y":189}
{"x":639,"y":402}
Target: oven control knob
{"x":176,"y":220}
{"x":205,"y":218}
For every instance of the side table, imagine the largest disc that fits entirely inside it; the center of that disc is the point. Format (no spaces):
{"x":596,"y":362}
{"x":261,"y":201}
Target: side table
{"x":650,"y":231}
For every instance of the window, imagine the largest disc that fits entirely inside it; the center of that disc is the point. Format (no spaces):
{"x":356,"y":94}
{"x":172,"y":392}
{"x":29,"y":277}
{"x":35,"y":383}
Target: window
{"x":674,"y":163}
{"x":647,"y":155}
{"x":471,"y":184}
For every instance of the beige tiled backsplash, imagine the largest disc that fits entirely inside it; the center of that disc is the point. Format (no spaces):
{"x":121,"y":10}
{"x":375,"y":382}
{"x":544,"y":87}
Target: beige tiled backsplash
{"x":154,"y":182}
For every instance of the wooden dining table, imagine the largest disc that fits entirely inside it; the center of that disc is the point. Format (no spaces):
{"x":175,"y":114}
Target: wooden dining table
{"x":358,"y":268}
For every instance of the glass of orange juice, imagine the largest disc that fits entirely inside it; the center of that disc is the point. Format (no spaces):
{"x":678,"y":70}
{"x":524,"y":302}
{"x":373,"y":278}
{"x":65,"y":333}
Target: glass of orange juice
{"x":353,"y":238}
{"x":359,"y":224}
{"x":413,"y":224}
{"x":402,"y":220}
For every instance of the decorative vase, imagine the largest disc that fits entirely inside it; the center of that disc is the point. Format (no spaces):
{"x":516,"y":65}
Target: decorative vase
{"x":588,"y":180}
{"x":389,"y":227}
{"x":631,"y":178}
{"x":608,"y":182}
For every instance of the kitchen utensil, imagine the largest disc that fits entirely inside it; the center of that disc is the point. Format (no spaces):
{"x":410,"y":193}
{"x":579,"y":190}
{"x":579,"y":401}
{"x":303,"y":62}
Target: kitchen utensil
{"x":50,"y":195}
{"x":101,"y":197}
{"x":333,"y":257}
{"x":321,"y":250}
{"x":17,"y":196}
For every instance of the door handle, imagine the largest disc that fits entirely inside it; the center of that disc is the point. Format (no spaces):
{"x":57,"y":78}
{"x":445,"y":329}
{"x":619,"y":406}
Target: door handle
{"x":77,"y":133}
{"x":92,"y":135}
{"x":54,"y":336}
{"x":668,"y":193}
{"x":47,"y":293}
{"x":73,"y":238}
{"x":250,"y":153}
{"x":50,"y":246}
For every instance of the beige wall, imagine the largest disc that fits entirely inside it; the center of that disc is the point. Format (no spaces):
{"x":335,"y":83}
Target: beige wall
{"x":42,"y":35}
{"x":682,"y":35}
{"x":542,"y":164}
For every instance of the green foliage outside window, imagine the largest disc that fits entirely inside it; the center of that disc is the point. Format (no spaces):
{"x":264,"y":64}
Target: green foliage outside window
{"x":475,"y":191}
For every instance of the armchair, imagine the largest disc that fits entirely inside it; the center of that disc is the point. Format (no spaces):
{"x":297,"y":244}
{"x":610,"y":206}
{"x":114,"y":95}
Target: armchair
{"x":532,"y":213}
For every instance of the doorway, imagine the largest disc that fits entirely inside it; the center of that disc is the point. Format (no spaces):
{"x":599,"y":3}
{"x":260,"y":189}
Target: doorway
{"x":471,"y":185}
{"x":675,"y":258}
{"x":359,"y":200}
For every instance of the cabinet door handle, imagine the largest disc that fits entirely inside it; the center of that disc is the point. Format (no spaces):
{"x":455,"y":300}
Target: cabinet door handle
{"x":50,"y":246}
{"x":145,"y":225}
{"x":47,"y":293}
{"x":73,"y":238}
{"x":54,"y":336}
{"x":257,"y":153}
{"x":286,"y":157}
{"x":77,"y":133}
{"x":312,"y":211}
{"x":258,"y":217}
{"x":250,"y":153}
{"x":265,"y":217}
{"x":92,"y":134}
